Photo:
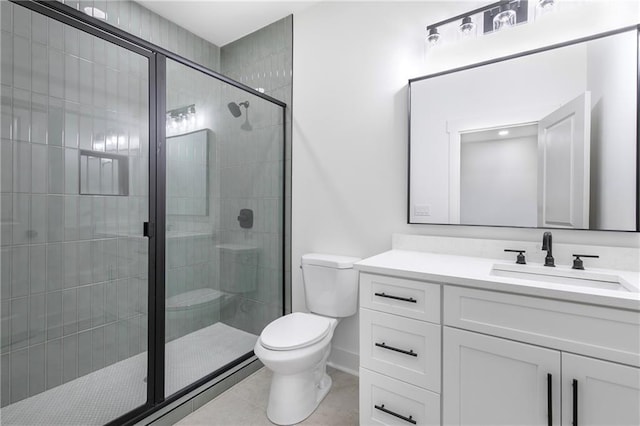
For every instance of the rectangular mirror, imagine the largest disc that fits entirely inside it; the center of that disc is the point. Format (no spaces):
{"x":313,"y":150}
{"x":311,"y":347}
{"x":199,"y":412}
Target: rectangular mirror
{"x":545,"y":139}
{"x":188,"y":165}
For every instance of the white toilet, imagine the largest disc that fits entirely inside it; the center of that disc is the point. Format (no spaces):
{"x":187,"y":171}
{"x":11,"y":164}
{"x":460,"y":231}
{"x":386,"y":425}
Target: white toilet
{"x":296,"y":347}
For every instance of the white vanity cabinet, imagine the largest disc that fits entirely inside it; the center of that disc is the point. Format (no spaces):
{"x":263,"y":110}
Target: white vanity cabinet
{"x":492,"y":379}
{"x":455,"y":354}
{"x":495,"y":381}
{"x":400,"y":351}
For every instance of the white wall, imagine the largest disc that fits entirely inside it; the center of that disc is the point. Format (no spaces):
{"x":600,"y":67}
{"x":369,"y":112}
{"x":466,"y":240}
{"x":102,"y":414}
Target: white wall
{"x":611,"y":124}
{"x":351,"y":64}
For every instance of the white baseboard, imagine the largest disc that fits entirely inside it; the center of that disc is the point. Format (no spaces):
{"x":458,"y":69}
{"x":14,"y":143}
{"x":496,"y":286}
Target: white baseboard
{"x":344,"y":361}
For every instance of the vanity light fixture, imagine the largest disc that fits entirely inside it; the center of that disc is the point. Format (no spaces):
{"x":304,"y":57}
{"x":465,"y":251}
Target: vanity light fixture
{"x":181,"y":119}
{"x":492,"y":17}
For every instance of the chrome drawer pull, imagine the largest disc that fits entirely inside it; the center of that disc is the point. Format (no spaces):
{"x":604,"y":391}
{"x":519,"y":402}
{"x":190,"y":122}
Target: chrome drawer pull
{"x":404,"y":299}
{"x":391,"y":348}
{"x":400,"y":416}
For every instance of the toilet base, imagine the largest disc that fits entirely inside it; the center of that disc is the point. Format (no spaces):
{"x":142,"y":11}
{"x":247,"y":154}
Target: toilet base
{"x":293,"y":398}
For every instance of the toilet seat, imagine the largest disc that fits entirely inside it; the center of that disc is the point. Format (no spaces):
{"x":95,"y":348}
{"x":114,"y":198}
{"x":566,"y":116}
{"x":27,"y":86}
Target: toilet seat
{"x":295,"y":331}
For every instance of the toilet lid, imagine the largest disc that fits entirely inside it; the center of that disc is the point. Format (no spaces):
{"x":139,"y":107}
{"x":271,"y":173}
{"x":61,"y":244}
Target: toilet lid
{"x":294,"y":331}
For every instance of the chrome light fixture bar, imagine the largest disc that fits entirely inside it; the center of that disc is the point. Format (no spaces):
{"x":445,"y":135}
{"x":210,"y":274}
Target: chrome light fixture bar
{"x":492,"y":17}
{"x":181,"y":119}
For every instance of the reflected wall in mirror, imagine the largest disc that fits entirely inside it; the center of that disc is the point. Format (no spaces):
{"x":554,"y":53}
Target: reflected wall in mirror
{"x":187,"y":165}
{"x":545,"y":139}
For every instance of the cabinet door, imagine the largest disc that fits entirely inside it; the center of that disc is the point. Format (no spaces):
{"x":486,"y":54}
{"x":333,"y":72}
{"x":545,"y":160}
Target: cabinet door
{"x":607,"y":393}
{"x":493,"y":381}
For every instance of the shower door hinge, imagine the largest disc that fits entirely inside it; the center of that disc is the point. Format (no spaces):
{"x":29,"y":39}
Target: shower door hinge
{"x":148,"y":229}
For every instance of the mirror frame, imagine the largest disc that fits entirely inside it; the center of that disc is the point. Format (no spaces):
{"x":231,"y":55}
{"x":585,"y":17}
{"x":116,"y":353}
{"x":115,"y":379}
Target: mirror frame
{"x":518,"y":55}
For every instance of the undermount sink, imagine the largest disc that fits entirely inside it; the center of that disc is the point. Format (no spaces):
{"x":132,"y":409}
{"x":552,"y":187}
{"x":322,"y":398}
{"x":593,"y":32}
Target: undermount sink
{"x":562,"y":275}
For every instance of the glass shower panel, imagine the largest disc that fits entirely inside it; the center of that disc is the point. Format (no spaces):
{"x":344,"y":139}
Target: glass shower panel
{"x":74,"y":195}
{"x":224,"y":225}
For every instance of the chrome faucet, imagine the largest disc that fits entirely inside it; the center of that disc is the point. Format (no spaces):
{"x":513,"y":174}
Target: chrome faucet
{"x":546,"y":245}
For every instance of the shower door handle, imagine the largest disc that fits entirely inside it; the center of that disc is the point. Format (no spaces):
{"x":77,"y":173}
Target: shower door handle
{"x":148,"y":229}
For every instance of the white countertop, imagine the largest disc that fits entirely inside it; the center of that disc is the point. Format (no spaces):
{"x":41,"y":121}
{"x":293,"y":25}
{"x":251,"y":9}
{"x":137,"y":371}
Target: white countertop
{"x":475,"y":272}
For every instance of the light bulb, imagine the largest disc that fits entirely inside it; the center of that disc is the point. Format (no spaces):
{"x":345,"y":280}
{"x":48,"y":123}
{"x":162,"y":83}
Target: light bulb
{"x":506,"y":18}
{"x":546,"y":5}
{"x":467,"y":26}
{"x":433,"y":37}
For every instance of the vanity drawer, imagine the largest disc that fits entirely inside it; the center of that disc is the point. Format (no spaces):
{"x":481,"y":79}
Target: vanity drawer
{"x":597,"y":331}
{"x":386,"y":401}
{"x":403,"y":348}
{"x":413,"y":299}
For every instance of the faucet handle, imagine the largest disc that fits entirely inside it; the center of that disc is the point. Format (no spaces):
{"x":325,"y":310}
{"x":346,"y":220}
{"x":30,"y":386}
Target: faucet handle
{"x":577,"y":262}
{"x":520,"y":258}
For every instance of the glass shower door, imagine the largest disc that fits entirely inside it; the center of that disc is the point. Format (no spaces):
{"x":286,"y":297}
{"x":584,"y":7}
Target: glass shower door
{"x":74,"y":196}
{"x":224,"y":223}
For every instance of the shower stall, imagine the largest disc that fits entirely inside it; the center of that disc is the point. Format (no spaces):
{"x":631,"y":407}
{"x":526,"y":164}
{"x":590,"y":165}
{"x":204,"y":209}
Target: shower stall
{"x":142,"y":220}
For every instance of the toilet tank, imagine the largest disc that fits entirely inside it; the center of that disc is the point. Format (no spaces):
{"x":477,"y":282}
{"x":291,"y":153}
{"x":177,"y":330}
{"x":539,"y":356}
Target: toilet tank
{"x":330,"y":284}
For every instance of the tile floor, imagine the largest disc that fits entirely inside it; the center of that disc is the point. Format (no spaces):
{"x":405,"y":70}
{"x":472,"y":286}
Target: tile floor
{"x":245,"y":404}
{"x":98,"y":397}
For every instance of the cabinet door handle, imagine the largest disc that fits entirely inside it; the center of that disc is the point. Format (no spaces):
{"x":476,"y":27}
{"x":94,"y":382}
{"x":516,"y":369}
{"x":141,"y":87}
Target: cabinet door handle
{"x":391,"y":348}
{"x":575,"y":402}
{"x":400,"y":416}
{"x":404,"y":299}
{"x":549,"y":401}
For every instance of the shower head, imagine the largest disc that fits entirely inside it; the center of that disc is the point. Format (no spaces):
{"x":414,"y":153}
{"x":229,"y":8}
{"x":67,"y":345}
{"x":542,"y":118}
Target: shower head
{"x":234,"y":108}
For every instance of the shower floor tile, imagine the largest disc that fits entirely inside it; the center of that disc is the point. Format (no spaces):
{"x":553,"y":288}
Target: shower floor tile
{"x":245,"y":404}
{"x":96,"y":398}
